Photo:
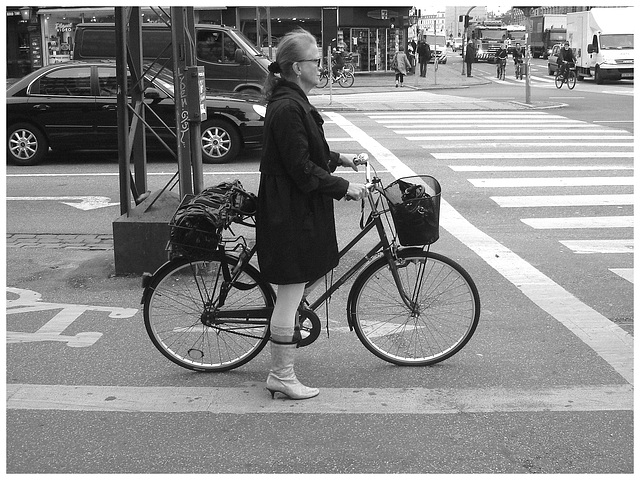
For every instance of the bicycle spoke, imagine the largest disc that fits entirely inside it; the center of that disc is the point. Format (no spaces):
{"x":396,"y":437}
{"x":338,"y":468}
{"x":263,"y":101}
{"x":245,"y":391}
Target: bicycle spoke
{"x":185,"y":298}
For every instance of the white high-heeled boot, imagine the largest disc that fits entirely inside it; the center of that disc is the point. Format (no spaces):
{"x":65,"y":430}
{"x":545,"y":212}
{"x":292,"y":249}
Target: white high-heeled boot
{"x":282,"y":378}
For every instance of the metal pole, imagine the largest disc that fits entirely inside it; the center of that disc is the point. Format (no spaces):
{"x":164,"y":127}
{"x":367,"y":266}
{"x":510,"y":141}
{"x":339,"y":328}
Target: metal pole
{"x":123,"y":117}
{"x":182,"y":124}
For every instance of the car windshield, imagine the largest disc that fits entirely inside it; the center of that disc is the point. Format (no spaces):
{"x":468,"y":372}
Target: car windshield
{"x":616,"y":41}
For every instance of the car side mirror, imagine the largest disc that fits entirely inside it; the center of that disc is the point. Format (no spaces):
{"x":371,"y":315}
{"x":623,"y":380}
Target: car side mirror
{"x":591,"y":49}
{"x":240,"y":58}
{"x":152,"y":93}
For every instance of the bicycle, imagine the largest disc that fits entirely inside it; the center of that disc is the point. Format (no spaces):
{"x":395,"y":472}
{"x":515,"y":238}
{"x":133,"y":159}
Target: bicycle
{"x":501,"y":68}
{"x":345,"y":78}
{"x":519,"y":68}
{"x":407,"y":306}
{"x":568,"y":77}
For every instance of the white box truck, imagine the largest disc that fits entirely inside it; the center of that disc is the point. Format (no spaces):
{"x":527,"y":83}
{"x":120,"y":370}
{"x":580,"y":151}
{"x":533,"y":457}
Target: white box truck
{"x":602,"y":39}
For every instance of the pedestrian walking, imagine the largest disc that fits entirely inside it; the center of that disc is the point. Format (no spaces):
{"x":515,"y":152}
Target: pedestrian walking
{"x":401,"y":65}
{"x":295,"y":224}
{"x":424,"y":55}
{"x":469,"y":57}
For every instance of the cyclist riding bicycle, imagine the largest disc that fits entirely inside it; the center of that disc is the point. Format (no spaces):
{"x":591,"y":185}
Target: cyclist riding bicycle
{"x":501,"y":58}
{"x":338,"y":62}
{"x":565,"y":57}
{"x":518,"y":54}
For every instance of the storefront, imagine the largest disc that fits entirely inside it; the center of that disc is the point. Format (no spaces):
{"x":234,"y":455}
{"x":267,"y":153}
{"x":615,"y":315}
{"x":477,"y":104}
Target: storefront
{"x":42,"y":36}
{"x":373,"y":36}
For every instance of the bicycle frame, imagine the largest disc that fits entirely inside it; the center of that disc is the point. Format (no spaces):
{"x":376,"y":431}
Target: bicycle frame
{"x":383,"y":245}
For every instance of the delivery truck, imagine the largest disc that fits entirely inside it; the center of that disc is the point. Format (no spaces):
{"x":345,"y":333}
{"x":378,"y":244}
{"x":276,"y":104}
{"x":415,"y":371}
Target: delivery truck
{"x":602,"y":39}
{"x":546,"y":31}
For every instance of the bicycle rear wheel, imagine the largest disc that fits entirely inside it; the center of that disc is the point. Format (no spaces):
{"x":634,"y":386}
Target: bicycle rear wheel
{"x":571,"y":82}
{"x":346,"y":79}
{"x":444,"y":316}
{"x":179,"y":300}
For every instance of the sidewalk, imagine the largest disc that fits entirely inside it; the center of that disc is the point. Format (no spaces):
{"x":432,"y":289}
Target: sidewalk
{"x":377,"y":91}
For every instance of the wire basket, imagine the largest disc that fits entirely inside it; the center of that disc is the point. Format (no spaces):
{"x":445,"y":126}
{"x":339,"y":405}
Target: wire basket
{"x":414,"y":203}
{"x":196,"y":237}
{"x":196,"y":227}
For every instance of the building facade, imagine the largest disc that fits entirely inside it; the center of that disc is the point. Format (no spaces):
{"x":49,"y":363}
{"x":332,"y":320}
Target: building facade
{"x":38,"y":36}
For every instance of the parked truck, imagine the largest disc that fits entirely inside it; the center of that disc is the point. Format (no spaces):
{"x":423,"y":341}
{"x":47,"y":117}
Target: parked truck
{"x":546,"y":31}
{"x":602,"y":39}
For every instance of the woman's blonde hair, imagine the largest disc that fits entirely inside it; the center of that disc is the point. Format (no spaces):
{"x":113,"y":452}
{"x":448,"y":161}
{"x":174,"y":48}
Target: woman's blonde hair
{"x":291,"y":49}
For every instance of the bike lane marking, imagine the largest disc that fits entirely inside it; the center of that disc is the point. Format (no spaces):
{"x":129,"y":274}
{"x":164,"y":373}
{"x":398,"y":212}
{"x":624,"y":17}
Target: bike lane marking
{"x":256,"y":400}
{"x":606,"y":338}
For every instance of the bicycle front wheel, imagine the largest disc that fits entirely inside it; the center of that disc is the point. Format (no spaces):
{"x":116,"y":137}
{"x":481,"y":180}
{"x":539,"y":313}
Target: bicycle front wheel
{"x":435,"y":322}
{"x":571,"y":82}
{"x":182,"y":320}
{"x":559,"y":80}
{"x":346,"y":80}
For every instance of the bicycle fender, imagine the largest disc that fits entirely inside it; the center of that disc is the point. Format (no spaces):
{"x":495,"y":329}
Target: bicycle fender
{"x":351,"y":298}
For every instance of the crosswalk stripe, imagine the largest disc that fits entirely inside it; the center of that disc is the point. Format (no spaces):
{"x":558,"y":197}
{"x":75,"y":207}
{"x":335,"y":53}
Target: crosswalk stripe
{"x":622,"y":221}
{"x":599,"y":245}
{"x":561,"y":122}
{"x":550,"y":182}
{"x":487,"y":136}
{"x":511,"y":155}
{"x":464,"y":114}
{"x":536,"y":168}
{"x":563,"y":200}
{"x":256,"y":400}
{"x":626,"y":273}
{"x":489,"y":130}
{"x":461,"y":144}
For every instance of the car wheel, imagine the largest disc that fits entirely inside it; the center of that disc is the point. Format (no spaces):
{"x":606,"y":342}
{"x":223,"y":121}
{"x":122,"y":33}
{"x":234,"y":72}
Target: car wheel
{"x":220,"y":141}
{"x":26,"y":145}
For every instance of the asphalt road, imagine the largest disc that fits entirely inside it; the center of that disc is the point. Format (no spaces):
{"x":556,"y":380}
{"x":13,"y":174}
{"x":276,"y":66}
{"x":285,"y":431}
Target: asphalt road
{"x":544,"y":386}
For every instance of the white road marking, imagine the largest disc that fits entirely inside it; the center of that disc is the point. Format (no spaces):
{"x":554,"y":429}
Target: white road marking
{"x":353,"y":400}
{"x":606,"y":338}
{"x":517,"y":155}
{"x":563,"y":200}
{"x":536,"y":168}
{"x":626,"y":273}
{"x":579,"y":222}
{"x":599,"y":245}
{"x":550,"y":182}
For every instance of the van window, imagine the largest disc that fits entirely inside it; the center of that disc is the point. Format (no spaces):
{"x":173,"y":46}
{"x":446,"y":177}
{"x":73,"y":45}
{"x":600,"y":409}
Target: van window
{"x":215,"y":47}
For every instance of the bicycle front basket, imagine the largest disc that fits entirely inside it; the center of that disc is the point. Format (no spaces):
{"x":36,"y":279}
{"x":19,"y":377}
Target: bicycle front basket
{"x":415,"y":208}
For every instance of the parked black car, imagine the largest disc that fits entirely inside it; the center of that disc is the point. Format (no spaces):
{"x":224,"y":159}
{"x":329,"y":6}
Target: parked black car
{"x":73,"y":106}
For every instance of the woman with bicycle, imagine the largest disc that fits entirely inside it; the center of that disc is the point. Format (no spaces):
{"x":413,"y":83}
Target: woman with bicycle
{"x":295,"y":224}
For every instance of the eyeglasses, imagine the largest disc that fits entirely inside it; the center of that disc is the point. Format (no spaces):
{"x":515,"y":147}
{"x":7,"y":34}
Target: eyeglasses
{"x":317,"y":60}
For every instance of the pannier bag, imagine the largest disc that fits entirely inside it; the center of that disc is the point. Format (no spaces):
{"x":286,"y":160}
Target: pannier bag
{"x":415,"y":208}
{"x":196,"y":227}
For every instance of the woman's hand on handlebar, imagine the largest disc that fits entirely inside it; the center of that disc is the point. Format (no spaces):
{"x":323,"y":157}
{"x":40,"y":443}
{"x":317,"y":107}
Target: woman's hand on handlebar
{"x":353,"y":162}
{"x":356,"y":191}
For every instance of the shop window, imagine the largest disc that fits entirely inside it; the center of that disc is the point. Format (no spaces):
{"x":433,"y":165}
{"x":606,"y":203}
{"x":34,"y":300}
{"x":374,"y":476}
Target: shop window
{"x":75,"y":82}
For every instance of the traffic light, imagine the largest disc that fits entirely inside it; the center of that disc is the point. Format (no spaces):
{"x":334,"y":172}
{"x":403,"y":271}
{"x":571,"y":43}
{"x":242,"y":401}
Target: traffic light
{"x":465,"y":19}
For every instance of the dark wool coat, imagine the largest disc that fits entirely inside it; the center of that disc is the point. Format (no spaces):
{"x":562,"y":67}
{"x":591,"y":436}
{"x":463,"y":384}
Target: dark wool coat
{"x":295,"y":225}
